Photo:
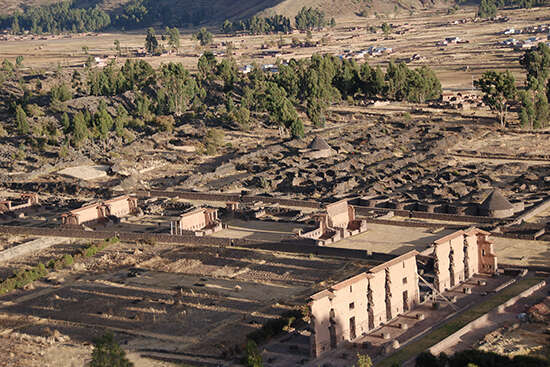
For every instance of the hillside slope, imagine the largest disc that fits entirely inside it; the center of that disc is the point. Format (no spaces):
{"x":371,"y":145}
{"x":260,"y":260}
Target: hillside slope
{"x":216,"y":11}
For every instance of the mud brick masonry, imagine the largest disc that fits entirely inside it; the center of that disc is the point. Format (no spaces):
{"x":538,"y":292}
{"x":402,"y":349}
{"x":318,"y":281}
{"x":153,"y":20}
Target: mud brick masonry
{"x":460,"y":255}
{"x":337,"y":222}
{"x":117,"y":207}
{"x":201,"y":221}
{"x":360,"y":304}
{"x":25,"y":201}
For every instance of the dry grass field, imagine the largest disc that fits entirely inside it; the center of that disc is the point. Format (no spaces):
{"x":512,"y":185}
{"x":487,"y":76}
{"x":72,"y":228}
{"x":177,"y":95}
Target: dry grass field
{"x":456,"y":65}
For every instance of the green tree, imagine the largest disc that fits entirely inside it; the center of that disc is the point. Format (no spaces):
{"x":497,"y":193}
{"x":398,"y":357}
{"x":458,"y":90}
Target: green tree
{"x":19,"y":61}
{"x":151,"y":42}
{"x":499,"y":91}
{"x":21,"y":120}
{"x":107,"y":353}
{"x":117,"y":47}
{"x":103,"y":119}
{"x":363,"y":360}
{"x":65,"y":122}
{"x":15,"y":29}
{"x":173,"y":38}
{"x":527,"y":113}
{"x":213,"y":139}
{"x":203,"y":36}
{"x":61,"y":93}
{"x":79,"y":129}
{"x":537,"y":65}
{"x":253,"y":358}
{"x":227,"y":27}
{"x":386,"y":28}
{"x":487,"y":9}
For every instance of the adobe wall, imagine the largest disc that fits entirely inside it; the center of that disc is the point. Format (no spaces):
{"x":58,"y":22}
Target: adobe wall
{"x":193,"y":221}
{"x":29,"y":248}
{"x":338,"y":214}
{"x":87,"y":214}
{"x":190,"y":195}
{"x":457,"y":265}
{"x":442,"y":279}
{"x":487,"y":256}
{"x":377,"y":299}
{"x":122,"y":206}
{"x":460,"y":255}
{"x":471,"y":256}
{"x":362,"y":303}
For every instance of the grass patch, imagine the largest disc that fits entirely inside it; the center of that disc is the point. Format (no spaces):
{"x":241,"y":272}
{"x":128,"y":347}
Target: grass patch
{"x":23,"y":277}
{"x":413,"y":349}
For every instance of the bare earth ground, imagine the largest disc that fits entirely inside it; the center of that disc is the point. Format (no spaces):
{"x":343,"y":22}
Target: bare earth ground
{"x":166,"y":306}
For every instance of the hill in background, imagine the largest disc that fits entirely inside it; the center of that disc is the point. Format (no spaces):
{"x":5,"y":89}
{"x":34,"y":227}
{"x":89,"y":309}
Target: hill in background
{"x":199,"y":12}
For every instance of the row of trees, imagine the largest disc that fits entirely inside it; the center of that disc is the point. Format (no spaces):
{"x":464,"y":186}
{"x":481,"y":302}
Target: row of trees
{"x":500,"y":91}
{"x":306,"y":19}
{"x":259,"y":25}
{"x":55,"y":18}
{"x":488,"y":8}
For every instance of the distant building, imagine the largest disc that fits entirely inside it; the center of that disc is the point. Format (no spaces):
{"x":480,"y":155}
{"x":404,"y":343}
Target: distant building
{"x":200,"y":221}
{"x":118,"y":207}
{"x":336,"y":223}
{"x":496,"y":206}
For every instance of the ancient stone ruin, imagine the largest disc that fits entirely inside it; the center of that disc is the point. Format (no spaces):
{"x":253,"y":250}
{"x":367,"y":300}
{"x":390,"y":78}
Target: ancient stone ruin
{"x":460,"y":255}
{"x":25,"y":200}
{"x":200,"y":221}
{"x":338,"y":221}
{"x":362,"y":303}
{"x":118,"y":207}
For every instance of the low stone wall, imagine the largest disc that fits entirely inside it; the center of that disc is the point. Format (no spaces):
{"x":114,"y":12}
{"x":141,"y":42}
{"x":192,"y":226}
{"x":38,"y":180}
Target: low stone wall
{"x":29,"y":248}
{"x":532,"y":212}
{"x":365,"y":211}
{"x":301,"y":246}
{"x":454,"y":338}
{"x":411,"y":223}
{"x":190,"y":195}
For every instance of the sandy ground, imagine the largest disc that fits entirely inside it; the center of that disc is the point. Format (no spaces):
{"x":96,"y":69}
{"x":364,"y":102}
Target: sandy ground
{"x":392,"y":239}
{"x":522,"y":252}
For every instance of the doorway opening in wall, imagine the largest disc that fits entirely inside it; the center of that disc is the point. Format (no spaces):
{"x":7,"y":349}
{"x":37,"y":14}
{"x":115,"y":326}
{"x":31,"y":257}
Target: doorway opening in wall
{"x":352,"y":333}
{"x":405,"y":301}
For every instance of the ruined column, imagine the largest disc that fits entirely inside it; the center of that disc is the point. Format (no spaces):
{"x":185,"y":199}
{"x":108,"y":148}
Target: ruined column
{"x":452,"y":267}
{"x":467,"y":274}
{"x":388,"y":295}
{"x":437,"y":272}
{"x":370,"y":310}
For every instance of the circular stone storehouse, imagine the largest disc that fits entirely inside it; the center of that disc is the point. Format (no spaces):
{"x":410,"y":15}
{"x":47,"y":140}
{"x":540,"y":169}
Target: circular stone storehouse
{"x":496,"y":206}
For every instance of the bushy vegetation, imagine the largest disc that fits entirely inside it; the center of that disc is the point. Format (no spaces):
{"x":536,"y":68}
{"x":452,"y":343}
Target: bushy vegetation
{"x":477,"y":358}
{"x":59,"y":17}
{"x":259,"y":25}
{"x":24,"y":277}
{"x":158,"y":99}
{"x":488,"y":8}
{"x":500,"y":92}
{"x":107,"y":353}
{"x":275,"y":327}
{"x":310,"y":19}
